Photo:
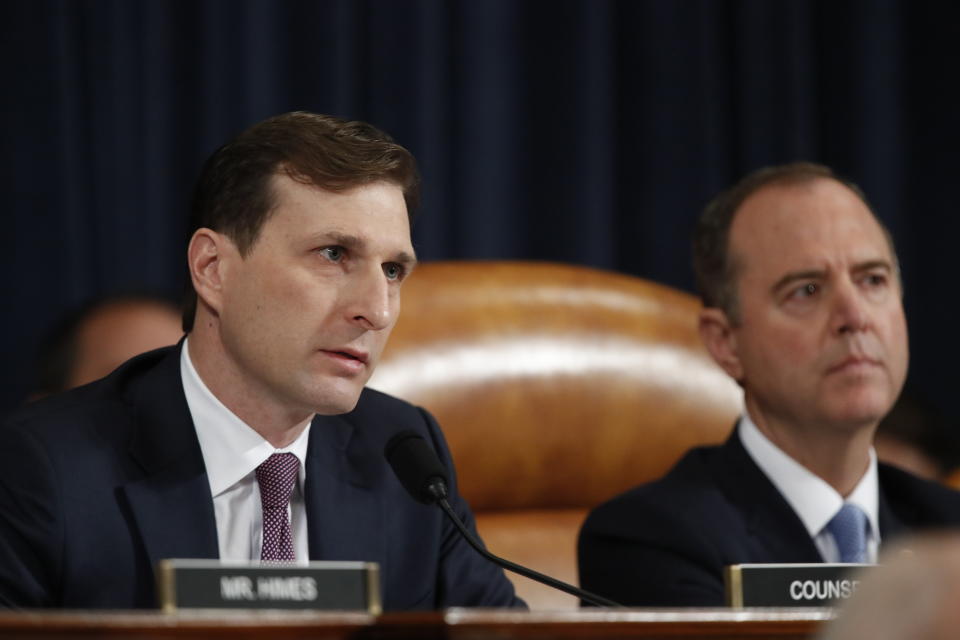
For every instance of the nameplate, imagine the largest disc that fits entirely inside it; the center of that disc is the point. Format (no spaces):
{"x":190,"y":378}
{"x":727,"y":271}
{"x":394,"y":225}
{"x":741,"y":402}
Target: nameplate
{"x":790,"y":585}
{"x":211,"y":584}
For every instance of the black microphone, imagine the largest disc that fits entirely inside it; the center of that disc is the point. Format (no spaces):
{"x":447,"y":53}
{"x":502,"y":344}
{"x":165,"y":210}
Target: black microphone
{"x":423,"y":475}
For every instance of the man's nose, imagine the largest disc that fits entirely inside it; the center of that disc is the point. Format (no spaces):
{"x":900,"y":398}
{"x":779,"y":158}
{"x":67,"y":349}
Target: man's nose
{"x":372,"y":304}
{"x":850,"y":308}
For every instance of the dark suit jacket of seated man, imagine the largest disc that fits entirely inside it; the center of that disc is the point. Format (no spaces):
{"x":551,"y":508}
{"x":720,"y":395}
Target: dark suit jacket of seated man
{"x":301,"y":245}
{"x":100,"y":483}
{"x":666,"y":543}
{"x":802,"y":308}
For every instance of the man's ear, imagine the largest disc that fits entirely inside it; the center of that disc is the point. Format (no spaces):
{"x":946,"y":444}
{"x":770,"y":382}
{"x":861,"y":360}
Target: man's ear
{"x":717,"y":334}
{"x":207,"y":257}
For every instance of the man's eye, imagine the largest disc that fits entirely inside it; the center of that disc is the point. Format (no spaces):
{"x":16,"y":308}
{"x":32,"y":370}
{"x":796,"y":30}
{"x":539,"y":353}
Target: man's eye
{"x":806,"y":290}
{"x":393,"y":271}
{"x":876,"y":279}
{"x":334,"y":254}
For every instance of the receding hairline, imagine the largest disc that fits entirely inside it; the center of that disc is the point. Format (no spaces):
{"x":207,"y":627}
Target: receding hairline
{"x":793,"y":182}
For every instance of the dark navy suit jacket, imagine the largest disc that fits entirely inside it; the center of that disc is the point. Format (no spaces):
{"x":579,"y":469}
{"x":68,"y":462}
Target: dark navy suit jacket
{"x":98,"y":484}
{"x":666,"y":543}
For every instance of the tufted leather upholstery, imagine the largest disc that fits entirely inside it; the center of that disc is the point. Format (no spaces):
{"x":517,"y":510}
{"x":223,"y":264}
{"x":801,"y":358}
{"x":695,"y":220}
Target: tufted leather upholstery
{"x":557,"y":387}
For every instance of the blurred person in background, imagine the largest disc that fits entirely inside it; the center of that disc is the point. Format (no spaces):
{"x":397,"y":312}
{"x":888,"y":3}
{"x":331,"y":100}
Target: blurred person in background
{"x":916,"y":437}
{"x":96,"y":338}
{"x":912,"y":595}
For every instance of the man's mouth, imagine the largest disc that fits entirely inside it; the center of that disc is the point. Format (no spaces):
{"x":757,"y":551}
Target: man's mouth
{"x":349,"y":354}
{"x":853,"y":362}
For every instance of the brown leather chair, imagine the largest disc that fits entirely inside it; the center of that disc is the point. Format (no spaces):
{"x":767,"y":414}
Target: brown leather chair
{"x":557,"y":387}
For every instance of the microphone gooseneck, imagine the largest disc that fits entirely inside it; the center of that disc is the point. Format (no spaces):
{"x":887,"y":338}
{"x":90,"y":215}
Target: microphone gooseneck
{"x":423,"y":475}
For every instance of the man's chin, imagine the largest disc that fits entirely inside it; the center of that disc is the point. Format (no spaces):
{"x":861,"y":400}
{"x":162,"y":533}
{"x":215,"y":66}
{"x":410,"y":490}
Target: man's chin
{"x":862,"y":412}
{"x":871,"y":395}
{"x":332,"y":402}
{"x":336,"y":408}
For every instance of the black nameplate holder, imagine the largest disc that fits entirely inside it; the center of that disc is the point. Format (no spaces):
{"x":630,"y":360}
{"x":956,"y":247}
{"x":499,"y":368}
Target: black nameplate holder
{"x":211,"y":584}
{"x":790,"y":585}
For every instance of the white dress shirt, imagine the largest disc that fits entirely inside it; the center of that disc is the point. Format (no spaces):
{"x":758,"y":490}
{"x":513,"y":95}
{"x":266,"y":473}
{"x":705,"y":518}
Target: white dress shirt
{"x":813,"y":500}
{"x":232,"y":451}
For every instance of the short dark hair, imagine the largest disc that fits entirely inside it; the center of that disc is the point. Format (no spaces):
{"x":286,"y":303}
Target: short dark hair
{"x":714,"y":267}
{"x":233,"y":195}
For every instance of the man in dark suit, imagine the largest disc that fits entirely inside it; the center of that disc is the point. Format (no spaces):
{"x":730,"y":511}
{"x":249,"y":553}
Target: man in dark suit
{"x":254,"y":438}
{"x":802,"y":307}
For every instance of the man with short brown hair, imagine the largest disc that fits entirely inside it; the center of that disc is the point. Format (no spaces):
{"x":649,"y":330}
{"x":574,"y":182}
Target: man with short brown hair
{"x":802,"y":307}
{"x":255,"y":438}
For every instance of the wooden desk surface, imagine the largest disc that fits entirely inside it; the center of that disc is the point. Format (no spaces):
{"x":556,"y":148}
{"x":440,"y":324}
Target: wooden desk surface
{"x":462,"y":624}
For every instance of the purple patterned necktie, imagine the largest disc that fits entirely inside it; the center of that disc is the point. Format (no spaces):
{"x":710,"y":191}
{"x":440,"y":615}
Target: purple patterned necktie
{"x":276,"y":477}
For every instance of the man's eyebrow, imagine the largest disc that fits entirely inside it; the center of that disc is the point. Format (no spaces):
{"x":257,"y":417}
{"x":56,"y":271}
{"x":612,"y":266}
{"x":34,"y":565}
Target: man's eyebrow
{"x":356,"y":243}
{"x":346,"y":240}
{"x":815,"y":274}
{"x":796,"y":276}
{"x":407,"y":259}
{"x":870,"y":265}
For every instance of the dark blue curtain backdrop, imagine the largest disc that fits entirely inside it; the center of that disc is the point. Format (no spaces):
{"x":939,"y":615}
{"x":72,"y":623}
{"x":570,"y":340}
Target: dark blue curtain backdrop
{"x":584,"y":131}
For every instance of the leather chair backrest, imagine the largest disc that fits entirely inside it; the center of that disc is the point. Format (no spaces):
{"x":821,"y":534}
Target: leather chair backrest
{"x":557,"y":387}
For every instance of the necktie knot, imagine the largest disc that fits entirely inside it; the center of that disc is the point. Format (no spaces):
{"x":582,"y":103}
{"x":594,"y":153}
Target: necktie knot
{"x":276,"y":477}
{"x":849,"y":529}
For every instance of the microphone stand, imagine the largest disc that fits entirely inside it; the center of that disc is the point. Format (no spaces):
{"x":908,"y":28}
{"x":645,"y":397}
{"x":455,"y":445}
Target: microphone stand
{"x":420,"y":471}
{"x":516,"y":568}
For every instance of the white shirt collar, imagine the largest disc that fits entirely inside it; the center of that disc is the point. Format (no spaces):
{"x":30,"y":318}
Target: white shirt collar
{"x":813,"y":500}
{"x":231,"y":448}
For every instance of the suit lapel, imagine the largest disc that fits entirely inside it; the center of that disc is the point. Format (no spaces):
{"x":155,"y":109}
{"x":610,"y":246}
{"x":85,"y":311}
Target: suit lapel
{"x":344,"y":514}
{"x":775,"y":531}
{"x":171,"y":503}
{"x":891,"y":525}
{"x":173,"y":512}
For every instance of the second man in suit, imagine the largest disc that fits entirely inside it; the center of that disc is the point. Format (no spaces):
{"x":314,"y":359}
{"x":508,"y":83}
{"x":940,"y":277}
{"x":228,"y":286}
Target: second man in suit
{"x":802,"y":307}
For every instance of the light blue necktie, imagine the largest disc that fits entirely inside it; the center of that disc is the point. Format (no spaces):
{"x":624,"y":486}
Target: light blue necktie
{"x":849,"y":529}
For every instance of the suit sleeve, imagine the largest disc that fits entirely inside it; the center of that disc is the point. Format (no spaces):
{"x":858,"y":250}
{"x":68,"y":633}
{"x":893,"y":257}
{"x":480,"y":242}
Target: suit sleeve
{"x":643,"y":555}
{"x":466,"y":578}
{"x":31,"y":539}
